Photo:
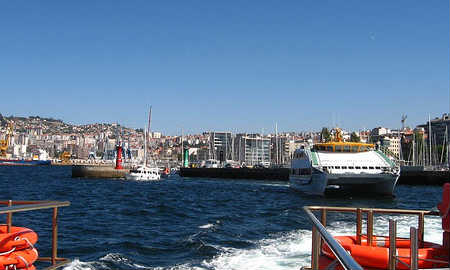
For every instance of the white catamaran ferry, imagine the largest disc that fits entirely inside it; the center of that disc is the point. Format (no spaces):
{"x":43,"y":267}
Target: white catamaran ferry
{"x":343,"y":165}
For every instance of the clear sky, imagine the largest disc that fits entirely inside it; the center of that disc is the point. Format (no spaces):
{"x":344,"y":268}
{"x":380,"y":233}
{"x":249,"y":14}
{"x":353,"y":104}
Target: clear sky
{"x":240,"y":66}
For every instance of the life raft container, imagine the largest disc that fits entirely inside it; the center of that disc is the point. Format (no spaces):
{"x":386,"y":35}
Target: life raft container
{"x":21,"y":259}
{"x":19,"y":238}
{"x":377,"y":255}
{"x":17,"y":248}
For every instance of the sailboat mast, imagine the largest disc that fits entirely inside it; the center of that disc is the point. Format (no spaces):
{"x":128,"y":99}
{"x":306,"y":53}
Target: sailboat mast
{"x":443,"y":146}
{"x":424,"y":152}
{"x":149,"y":124}
{"x":226,"y":146}
{"x":414,"y":150}
{"x":182,"y":149}
{"x":429,"y":136}
{"x":145,"y":148}
{"x":276,"y":143}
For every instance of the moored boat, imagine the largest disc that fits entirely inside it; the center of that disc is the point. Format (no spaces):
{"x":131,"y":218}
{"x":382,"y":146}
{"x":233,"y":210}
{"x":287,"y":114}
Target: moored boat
{"x":143,"y":172}
{"x":352,"y":166}
{"x":25,"y":162}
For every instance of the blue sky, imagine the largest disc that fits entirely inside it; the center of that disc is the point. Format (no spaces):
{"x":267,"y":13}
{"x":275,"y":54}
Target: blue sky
{"x":240,"y":66}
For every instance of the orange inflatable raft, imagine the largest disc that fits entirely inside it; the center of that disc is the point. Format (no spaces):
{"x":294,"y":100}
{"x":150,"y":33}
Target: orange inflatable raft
{"x":17,"y":248}
{"x":377,"y":255}
{"x":18,"y":238}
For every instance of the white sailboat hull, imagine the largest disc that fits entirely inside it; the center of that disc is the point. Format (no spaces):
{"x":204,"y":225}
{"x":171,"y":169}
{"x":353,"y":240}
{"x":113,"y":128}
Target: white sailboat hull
{"x":140,"y":177}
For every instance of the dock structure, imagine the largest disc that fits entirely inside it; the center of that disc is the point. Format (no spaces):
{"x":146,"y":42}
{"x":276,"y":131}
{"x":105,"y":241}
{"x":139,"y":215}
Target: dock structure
{"x":269,"y":174}
{"x":431,"y":178}
{"x":278,"y":174}
{"x":90,"y":171}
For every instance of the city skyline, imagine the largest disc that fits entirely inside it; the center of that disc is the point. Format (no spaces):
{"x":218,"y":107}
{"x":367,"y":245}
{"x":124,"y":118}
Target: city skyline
{"x":239,"y":67}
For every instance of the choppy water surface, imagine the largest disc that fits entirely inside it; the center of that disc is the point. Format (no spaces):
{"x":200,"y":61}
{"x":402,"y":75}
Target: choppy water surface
{"x":189,"y":223}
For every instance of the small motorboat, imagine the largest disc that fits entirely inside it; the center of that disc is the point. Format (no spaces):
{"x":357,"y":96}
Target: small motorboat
{"x":143,"y":173}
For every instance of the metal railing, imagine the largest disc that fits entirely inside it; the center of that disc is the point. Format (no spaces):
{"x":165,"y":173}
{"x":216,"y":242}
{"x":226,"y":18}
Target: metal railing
{"x":319,"y":232}
{"x":23,"y":206}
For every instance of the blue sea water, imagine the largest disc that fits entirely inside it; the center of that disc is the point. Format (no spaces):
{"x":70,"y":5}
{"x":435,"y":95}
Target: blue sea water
{"x":188,"y":223}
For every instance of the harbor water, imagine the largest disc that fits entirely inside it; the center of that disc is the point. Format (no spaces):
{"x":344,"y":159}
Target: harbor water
{"x":190,"y":223}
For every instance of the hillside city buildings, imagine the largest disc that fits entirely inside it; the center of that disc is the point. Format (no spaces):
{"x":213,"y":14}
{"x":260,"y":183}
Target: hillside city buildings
{"x":44,"y":138}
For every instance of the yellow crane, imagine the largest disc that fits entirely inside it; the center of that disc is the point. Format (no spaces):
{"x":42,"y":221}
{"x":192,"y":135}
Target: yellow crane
{"x":65,"y":157}
{"x":5,"y":143}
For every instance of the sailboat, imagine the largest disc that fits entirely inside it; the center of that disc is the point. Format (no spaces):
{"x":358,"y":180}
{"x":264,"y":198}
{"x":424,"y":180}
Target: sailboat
{"x":144,"y":171}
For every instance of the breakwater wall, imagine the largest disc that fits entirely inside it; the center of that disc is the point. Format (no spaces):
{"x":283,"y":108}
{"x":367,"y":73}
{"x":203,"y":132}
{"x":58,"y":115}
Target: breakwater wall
{"x":93,"y":171}
{"x":282,"y":174}
{"x":424,"y":177}
{"x":279,"y":174}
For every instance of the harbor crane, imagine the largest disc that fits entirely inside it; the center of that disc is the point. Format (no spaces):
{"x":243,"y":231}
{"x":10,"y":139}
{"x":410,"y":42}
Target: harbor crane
{"x":404,"y":116}
{"x":5,"y":143}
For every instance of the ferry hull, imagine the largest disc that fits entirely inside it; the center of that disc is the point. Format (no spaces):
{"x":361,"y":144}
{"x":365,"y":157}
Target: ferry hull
{"x":314,"y":184}
{"x":382,"y":184}
{"x":24,"y":162}
{"x":319,"y":183}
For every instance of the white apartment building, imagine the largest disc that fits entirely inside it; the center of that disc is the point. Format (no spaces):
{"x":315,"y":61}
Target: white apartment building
{"x":252,"y":149}
{"x":393,"y":144}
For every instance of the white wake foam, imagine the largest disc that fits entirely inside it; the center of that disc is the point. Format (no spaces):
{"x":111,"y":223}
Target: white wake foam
{"x":206,"y":226}
{"x":287,"y":251}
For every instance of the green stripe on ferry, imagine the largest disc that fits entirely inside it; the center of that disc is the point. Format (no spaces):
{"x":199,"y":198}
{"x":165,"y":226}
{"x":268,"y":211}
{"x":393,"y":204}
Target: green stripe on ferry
{"x":388,"y":160}
{"x":314,"y":158}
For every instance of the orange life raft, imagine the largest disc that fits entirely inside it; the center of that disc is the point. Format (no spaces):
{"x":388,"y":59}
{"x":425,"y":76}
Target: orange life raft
{"x":22,"y":259}
{"x":17,"y":248}
{"x":377,"y":255}
{"x":18,"y":238}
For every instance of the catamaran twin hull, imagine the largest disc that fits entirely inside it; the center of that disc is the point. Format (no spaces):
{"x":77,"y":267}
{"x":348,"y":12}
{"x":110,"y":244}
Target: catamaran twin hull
{"x":319,"y":182}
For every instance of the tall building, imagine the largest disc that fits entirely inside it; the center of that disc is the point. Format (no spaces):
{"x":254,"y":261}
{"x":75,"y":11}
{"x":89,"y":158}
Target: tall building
{"x":221,"y":145}
{"x":252,"y":149}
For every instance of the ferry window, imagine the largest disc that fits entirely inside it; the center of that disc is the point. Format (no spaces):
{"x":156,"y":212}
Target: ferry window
{"x":338,"y":167}
{"x":371,"y":168}
{"x":364,"y":167}
{"x":377,"y":168}
{"x":344,"y":167}
{"x":351,"y":167}
{"x":297,"y":171}
{"x":362,"y":148}
{"x":325,"y":168}
{"x":347,"y":148}
{"x":355,"y":148}
{"x":330,"y":148}
{"x":338,"y":148}
{"x":357,"y":167}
